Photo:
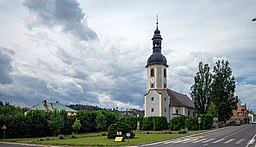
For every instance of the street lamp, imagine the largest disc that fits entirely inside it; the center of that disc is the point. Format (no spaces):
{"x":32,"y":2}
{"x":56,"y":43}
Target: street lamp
{"x":138,"y":122}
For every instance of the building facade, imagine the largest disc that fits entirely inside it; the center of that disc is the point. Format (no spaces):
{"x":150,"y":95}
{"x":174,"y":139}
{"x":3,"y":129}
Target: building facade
{"x":159,"y":100}
{"x":240,"y":113}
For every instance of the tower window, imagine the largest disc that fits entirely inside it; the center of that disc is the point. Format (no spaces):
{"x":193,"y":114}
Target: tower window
{"x":152,"y":85}
{"x":152,"y":109}
{"x":165,"y":99}
{"x":165,"y":73}
{"x":152,"y":73}
{"x":164,"y":109}
{"x":164,"y":85}
{"x":152,"y":98}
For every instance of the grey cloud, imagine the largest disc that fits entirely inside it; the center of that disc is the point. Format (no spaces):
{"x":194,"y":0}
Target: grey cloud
{"x":64,"y":56}
{"x":65,"y":13}
{"x":6,"y":59}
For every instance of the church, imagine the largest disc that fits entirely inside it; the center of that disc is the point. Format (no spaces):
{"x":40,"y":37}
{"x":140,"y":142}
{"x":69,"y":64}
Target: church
{"x":159,"y":100}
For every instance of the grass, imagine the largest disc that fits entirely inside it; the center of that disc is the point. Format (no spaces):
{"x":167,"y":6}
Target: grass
{"x":95,"y":139}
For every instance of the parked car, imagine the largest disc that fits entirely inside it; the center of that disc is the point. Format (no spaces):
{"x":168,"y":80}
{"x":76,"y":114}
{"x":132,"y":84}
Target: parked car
{"x":237,"y":122}
{"x":254,"y":122}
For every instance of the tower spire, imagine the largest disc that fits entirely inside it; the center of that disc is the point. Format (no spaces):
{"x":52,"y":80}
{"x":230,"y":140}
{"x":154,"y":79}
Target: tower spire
{"x":157,"y":22}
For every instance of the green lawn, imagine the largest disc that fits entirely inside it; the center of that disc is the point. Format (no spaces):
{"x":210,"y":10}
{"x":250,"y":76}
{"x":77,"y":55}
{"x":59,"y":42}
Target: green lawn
{"x":95,"y":139}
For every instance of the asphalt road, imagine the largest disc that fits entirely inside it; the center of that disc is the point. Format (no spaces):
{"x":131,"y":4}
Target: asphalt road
{"x":232,"y":136}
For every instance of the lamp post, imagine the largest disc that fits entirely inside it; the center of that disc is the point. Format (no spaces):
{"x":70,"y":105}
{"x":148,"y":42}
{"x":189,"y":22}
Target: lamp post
{"x":138,"y":122}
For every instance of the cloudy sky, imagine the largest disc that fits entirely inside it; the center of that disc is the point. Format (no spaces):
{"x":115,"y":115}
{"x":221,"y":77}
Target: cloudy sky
{"x":94,"y":52}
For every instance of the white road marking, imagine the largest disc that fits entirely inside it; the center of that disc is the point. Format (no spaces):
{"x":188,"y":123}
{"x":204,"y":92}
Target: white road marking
{"x":239,"y":141}
{"x":229,"y":140}
{"x":218,"y":140}
{"x":199,"y":140}
{"x":190,"y":140}
{"x":208,"y":140}
{"x":205,"y":144}
{"x":251,"y":141}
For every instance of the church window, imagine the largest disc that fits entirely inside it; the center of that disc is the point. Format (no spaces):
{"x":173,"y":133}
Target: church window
{"x":165,"y":73}
{"x":152,"y":98}
{"x":152,"y":73}
{"x":164,"y":85}
{"x":165,"y":99}
{"x":164,"y":109}
{"x":177,"y":111}
{"x":152,"y":109}
{"x":152,"y":85}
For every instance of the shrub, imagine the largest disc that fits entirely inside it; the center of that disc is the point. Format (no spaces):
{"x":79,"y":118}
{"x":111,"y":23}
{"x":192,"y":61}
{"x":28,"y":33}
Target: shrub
{"x":73,"y":135}
{"x":177,"y":123}
{"x":119,"y":127}
{"x":182,"y":131}
{"x":61,"y":136}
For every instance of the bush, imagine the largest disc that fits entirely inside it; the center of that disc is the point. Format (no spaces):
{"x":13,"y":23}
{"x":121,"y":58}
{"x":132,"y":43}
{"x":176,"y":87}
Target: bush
{"x":177,"y":123}
{"x":119,"y":127}
{"x":160,"y":123}
{"x":61,"y":136}
{"x":147,"y":124}
{"x":73,"y":135}
{"x":182,"y":131}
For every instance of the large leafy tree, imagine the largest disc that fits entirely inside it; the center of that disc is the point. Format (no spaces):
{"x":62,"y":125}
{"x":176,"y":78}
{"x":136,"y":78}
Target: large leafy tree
{"x":223,"y":88}
{"x":201,"y":90}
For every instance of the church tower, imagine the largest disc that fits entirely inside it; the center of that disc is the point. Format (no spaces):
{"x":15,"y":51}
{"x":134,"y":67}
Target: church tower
{"x":157,"y":100}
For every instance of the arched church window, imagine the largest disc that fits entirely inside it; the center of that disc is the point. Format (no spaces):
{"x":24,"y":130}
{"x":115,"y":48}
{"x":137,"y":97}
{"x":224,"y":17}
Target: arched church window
{"x":165,"y":73}
{"x":152,"y":73}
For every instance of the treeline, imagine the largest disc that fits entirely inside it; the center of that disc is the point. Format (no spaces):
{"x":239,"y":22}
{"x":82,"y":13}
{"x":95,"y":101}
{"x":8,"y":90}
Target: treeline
{"x":40,"y":123}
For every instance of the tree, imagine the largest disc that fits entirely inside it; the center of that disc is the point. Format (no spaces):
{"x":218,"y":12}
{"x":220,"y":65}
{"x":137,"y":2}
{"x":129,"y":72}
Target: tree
{"x":77,"y":125}
{"x":100,"y":121}
{"x":223,"y":88}
{"x":201,"y":90}
{"x":212,"y":109}
{"x":56,"y":122}
{"x":119,"y":127}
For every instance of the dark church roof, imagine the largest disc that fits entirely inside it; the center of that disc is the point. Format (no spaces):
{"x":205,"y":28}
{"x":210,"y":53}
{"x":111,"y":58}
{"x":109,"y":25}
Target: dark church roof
{"x":157,"y":58}
{"x":180,"y":100}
